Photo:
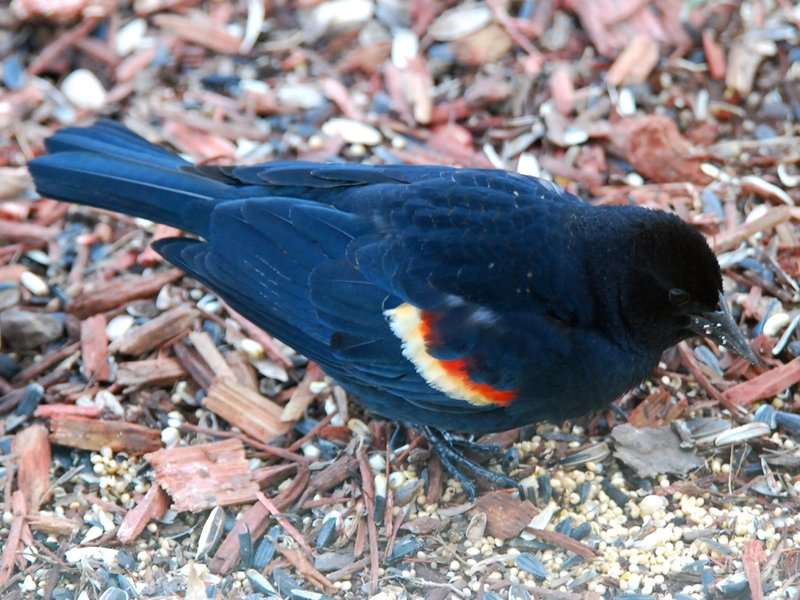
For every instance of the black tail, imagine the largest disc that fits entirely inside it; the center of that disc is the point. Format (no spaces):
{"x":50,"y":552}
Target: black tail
{"x":108,"y":166}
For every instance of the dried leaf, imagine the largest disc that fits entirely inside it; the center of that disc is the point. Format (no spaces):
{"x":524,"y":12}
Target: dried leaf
{"x":653,"y":451}
{"x":655,"y":147}
{"x":506,"y":515}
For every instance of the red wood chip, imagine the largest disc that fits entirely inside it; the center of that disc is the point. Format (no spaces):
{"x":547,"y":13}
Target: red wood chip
{"x":14,"y":537}
{"x":206,"y":475}
{"x":96,"y":434}
{"x":32,"y":449}
{"x":94,"y":348}
{"x":153,"y":506}
{"x":752,"y":558}
{"x":765,"y":385}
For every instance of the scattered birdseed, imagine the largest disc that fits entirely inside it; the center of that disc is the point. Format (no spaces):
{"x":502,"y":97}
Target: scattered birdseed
{"x":463,"y":97}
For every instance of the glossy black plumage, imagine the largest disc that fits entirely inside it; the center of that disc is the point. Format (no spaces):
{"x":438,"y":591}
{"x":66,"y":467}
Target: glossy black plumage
{"x":539,"y":295}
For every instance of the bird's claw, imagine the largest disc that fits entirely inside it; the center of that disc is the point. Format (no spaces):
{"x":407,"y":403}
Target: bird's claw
{"x":461,"y":467}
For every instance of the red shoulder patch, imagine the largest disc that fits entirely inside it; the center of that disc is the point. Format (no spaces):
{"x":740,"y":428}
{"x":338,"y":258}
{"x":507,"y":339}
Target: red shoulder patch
{"x":417,"y":331}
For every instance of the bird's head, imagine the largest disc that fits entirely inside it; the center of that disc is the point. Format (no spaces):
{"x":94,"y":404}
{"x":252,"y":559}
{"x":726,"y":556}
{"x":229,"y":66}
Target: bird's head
{"x":674,"y":286}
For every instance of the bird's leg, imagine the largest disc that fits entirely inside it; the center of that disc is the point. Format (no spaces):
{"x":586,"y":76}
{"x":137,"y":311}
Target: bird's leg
{"x":461,"y":467}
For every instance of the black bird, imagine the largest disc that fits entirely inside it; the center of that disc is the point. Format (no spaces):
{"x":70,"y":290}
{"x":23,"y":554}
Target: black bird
{"x":453,"y":299}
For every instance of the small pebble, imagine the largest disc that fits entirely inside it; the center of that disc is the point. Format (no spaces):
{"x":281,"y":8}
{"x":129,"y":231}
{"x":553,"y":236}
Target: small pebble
{"x":652,"y":503}
{"x":23,"y":330}
{"x":118,"y":326}
{"x":9,"y":294}
{"x":352,"y":131}
{"x":84,"y":90}
{"x":252,"y":348}
{"x":34,"y":284}
{"x":129,"y":37}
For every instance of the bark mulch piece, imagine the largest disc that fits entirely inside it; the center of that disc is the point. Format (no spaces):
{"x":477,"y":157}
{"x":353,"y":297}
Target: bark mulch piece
{"x":156,"y":332}
{"x":118,"y":292}
{"x":152,"y":506}
{"x":94,"y":348}
{"x":685,"y":107}
{"x":246,"y":409}
{"x":34,"y":455}
{"x":204,"y":476}
{"x":96,"y":434}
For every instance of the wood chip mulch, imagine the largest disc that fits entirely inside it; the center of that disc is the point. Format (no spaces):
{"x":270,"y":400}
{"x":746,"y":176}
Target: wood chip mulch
{"x":154,"y":444}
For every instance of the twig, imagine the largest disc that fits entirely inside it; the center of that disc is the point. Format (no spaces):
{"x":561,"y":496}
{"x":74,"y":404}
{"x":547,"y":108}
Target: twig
{"x":290,"y":529}
{"x":46,"y":363}
{"x":563,"y":541}
{"x":368,"y":489}
{"x":273,"y":450}
{"x":314,"y":431}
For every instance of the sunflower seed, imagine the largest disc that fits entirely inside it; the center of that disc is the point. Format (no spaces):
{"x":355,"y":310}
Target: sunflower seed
{"x":261,"y":583}
{"x":742,"y":433}
{"x":705,"y":429}
{"x":518,"y":592}
{"x":476,"y":527}
{"x":789,"y":421}
{"x":459,"y":22}
{"x":113,"y":593}
{"x":787,"y":335}
{"x":34,"y":284}
{"x":787,"y":179}
{"x":593,"y":453}
{"x":530,"y":564}
{"x":766,"y":414}
{"x":246,"y":547}
{"x":211,"y":532}
{"x":264,"y":553}
{"x":327,"y":533}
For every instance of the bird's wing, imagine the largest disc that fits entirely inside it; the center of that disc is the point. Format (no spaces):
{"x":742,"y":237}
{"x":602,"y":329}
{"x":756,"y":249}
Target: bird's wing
{"x":279,"y":262}
{"x":439,"y":286}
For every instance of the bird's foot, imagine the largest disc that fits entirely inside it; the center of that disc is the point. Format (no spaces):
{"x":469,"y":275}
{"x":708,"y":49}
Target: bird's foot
{"x":447,"y":448}
{"x":470,"y":446}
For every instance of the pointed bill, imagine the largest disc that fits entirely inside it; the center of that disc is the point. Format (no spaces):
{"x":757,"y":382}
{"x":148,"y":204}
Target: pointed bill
{"x":720,"y":327}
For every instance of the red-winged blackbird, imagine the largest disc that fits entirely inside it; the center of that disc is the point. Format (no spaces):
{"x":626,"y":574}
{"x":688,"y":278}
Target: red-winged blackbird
{"x":457,"y":299}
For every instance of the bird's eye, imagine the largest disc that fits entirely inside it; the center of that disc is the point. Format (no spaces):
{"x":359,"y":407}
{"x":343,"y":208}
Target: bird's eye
{"x":679,"y":297}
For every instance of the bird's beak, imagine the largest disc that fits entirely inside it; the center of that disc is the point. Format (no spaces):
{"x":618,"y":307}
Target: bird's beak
{"x":720,"y":327}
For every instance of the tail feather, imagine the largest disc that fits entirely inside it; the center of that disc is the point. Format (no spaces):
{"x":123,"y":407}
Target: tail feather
{"x":112,"y":139}
{"x":109,"y":167}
